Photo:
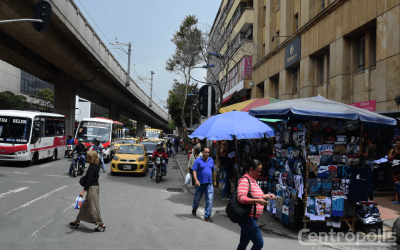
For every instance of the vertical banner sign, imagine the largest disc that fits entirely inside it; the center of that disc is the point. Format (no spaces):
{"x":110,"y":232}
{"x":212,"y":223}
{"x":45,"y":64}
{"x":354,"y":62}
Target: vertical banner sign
{"x":246,"y":68}
{"x":292,"y":52}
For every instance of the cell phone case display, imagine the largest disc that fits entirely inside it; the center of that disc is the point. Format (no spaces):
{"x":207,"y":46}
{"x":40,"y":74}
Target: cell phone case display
{"x":317,"y":163}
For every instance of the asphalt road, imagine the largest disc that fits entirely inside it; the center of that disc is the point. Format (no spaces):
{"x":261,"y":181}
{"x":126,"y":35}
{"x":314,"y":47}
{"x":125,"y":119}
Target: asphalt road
{"x":36,"y":208}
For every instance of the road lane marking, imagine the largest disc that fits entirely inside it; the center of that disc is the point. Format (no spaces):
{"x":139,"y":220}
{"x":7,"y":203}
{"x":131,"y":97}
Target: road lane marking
{"x":45,"y":166}
{"x":53,"y":175}
{"x":35,"y":200}
{"x":13,"y":191}
{"x":12,"y":172}
{"x":23,"y":181}
{"x":34,"y":233}
{"x":68,"y":207}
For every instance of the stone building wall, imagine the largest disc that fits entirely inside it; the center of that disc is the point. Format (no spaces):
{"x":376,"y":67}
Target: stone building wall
{"x":333,"y":42}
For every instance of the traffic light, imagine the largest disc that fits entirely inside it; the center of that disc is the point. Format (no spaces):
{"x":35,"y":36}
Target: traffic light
{"x":42,"y":12}
{"x":203,"y":100}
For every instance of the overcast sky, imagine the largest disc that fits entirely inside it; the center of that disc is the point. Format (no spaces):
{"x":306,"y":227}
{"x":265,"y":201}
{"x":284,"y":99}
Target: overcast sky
{"x":149,"y":25}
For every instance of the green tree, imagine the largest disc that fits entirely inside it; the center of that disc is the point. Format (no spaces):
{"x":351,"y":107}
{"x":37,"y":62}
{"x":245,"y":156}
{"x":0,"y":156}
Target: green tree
{"x":175,"y":104}
{"x":185,"y":58}
{"x":127,"y":123}
{"x":9,"y":100}
{"x":45,"y":99}
{"x":106,"y":116}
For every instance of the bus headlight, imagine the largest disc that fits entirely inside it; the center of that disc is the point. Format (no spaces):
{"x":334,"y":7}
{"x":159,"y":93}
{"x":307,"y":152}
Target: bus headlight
{"x":20,"y":152}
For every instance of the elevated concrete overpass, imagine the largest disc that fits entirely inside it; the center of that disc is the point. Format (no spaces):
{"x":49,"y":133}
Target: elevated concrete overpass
{"x":71,"y":55}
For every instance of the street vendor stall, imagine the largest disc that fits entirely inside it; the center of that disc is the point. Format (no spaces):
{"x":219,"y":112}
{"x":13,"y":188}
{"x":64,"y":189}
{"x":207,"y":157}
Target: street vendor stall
{"x":317,"y":159}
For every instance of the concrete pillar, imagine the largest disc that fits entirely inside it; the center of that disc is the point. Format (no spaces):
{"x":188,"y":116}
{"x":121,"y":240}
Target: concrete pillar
{"x":115,"y":112}
{"x":140,"y":128}
{"x":64,"y":103}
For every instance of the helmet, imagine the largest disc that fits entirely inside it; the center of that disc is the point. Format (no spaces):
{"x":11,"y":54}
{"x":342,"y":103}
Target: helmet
{"x":96,"y":140}
{"x":69,"y":135}
{"x":81,"y":140}
{"x":159,"y":144}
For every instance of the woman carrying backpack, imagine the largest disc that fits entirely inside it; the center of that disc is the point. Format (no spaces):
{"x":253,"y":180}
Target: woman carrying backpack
{"x":249,"y":228}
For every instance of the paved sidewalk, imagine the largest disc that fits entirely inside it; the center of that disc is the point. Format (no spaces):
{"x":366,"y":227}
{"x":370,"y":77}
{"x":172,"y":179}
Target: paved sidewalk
{"x":272,"y":225}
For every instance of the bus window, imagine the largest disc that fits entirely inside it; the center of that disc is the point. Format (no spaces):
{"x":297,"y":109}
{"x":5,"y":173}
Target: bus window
{"x":57,"y":126}
{"x":49,"y":125}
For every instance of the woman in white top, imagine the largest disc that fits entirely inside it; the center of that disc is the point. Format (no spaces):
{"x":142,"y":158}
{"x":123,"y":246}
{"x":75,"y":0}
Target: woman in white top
{"x":192,"y":158}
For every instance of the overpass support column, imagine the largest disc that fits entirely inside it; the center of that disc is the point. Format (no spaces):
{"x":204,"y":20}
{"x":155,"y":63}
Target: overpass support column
{"x":115,"y":112}
{"x":140,"y":128}
{"x":64,"y":103}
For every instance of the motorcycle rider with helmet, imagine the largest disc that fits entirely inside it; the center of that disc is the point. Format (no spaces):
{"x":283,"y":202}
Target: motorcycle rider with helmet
{"x":159,"y":152}
{"x":80,"y":148}
{"x":69,"y":141}
{"x":99,"y":148}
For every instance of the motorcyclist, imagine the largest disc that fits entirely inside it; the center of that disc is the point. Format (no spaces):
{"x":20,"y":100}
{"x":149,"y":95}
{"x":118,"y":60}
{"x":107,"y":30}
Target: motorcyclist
{"x":80,"y":148}
{"x":159,"y":152}
{"x":99,"y":148}
{"x":169,"y":147}
{"x":70,"y":141}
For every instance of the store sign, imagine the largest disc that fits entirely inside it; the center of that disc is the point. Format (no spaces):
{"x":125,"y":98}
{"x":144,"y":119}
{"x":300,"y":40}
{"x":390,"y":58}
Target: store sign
{"x":246,"y":68}
{"x":292,"y":52}
{"x":368,"y":105}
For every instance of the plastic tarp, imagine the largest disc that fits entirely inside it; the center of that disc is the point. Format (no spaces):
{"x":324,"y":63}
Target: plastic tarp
{"x":235,"y":123}
{"x":315,"y":108}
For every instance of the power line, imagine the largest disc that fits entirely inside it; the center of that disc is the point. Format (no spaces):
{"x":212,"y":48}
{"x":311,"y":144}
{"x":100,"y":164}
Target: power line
{"x":137,"y":74}
{"x":107,"y":19}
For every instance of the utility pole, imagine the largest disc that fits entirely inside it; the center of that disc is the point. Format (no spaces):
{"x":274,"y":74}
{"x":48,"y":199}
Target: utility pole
{"x":118,"y":45}
{"x":191,"y":116}
{"x":151,"y":89}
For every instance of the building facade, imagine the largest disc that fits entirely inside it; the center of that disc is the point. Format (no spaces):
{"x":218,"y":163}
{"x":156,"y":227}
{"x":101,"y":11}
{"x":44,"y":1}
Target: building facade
{"x":344,"y":50}
{"x":231,"y":36}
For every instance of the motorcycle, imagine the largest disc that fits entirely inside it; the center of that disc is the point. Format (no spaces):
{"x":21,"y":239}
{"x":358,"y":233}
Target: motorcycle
{"x":78,"y":165}
{"x":69,"y":149}
{"x":159,"y":171}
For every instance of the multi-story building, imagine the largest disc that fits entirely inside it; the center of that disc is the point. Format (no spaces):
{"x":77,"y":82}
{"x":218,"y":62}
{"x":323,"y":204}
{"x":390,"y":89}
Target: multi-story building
{"x":345,"y":50}
{"x":231,"y":36}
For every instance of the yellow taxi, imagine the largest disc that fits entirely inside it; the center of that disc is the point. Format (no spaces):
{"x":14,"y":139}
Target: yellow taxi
{"x":119,"y":142}
{"x":130,"y":158}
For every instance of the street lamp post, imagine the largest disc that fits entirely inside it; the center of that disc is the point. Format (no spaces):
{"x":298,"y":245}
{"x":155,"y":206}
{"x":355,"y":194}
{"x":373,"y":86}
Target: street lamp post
{"x":151,"y":89}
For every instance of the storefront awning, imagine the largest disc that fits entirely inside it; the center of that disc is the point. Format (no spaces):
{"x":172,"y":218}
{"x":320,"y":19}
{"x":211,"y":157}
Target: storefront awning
{"x":228,"y":98}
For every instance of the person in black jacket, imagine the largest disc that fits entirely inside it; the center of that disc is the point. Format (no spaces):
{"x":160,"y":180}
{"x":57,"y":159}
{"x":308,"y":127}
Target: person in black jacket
{"x":90,"y":210}
{"x":80,"y":148}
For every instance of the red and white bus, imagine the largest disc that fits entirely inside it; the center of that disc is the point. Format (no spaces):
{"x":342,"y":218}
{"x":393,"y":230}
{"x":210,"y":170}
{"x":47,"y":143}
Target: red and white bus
{"x":31,"y":136}
{"x":100,"y":128}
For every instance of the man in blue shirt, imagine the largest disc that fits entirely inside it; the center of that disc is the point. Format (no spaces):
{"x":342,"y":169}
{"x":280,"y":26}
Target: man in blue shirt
{"x":203,"y":173}
{"x":70,"y":141}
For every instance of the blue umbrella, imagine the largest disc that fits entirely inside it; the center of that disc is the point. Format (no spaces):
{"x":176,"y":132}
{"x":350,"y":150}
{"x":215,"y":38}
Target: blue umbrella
{"x":319,"y":107}
{"x":235,"y":123}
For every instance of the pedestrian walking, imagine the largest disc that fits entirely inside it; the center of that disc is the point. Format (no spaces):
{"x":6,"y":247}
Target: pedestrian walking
{"x":90,"y":210}
{"x":197,"y":153}
{"x":249,"y":228}
{"x":203,"y":173}
{"x":176,"y":144}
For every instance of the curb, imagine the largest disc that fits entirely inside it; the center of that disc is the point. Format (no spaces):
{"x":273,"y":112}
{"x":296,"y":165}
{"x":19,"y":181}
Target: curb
{"x":185,"y":188}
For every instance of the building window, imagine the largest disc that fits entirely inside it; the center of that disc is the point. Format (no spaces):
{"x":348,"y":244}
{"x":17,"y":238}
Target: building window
{"x":296,"y":22}
{"x":295,"y":81}
{"x":322,"y":69}
{"x":31,"y":85}
{"x":322,"y":5}
{"x":361,"y":54}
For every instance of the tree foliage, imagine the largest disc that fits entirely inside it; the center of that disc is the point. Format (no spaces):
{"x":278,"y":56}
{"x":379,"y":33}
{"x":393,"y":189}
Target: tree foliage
{"x":9,"y":100}
{"x":127,"y":123}
{"x":186,"y":57}
{"x":45,"y":99}
{"x":175,"y":104}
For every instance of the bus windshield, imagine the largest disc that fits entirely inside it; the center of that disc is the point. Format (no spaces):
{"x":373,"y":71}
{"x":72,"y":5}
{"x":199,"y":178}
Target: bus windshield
{"x":152,"y":135}
{"x":90,"y":130}
{"x":15,"y":130}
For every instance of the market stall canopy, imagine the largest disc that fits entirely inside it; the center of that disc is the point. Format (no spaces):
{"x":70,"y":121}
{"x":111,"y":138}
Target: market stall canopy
{"x":247,"y":105}
{"x":319,"y":107}
{"x":194,"y":127}
{"x":226,"y":126}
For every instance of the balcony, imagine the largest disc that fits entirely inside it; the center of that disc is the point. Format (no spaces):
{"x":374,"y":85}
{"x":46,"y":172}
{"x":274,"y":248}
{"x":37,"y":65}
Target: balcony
{"x":245,"y":20}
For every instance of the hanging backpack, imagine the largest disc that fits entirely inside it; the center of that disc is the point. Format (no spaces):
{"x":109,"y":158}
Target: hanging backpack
{"x":238,"y":212}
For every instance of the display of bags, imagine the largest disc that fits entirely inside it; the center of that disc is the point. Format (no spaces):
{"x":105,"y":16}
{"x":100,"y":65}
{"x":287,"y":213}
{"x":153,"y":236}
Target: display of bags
{"x":315,"y":160}
{"x":340,"y":159}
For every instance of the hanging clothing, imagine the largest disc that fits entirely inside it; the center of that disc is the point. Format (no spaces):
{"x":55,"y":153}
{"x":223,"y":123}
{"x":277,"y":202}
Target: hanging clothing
{"x":361,"y":185}
{"x":298,"y":182}
{"x":337,"y":206}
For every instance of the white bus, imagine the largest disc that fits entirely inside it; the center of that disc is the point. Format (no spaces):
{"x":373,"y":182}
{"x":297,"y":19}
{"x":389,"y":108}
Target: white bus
{"x":31,"y":136}
{"x":100,"y":128}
